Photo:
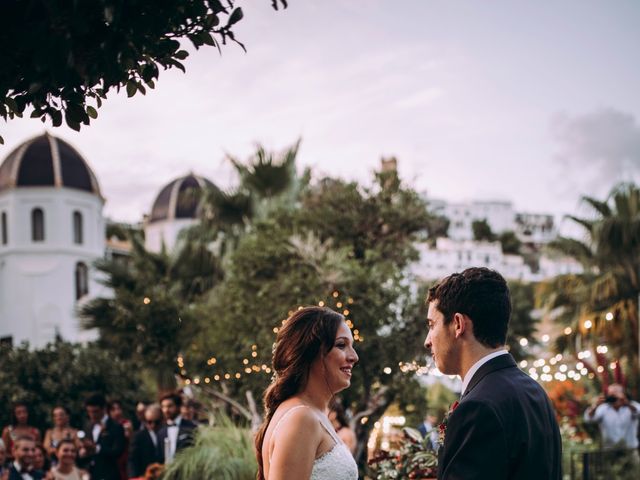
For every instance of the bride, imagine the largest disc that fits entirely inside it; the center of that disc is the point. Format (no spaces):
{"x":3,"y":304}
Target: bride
{"x":313,"y":358}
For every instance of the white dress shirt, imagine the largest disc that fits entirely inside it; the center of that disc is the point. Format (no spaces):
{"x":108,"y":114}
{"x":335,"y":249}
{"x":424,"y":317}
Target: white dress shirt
{"x":172,"y":435}
{"x":154,"y":437}
{"x":616,"y":426}
{"x":18,"y":467}
{"x":476,"y":366}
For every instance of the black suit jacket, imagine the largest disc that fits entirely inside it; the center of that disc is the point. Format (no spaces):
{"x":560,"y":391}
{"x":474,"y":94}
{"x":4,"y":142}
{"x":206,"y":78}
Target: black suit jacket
{"x":15,"y":475}
{"x":103,"y":465}
{"x":142,"y":453}
{"x":503,"y":428}
{"x":185,"y":436}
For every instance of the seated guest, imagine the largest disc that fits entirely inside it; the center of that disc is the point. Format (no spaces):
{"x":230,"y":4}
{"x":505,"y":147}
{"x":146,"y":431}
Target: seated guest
{"x":138,"y":420}
{"x":22,"y":467}
{"x":177,"y":433}
{"x":144,"y":449}
{"x":103,"y":440}
{"x":3,"y":458}
{"x":67,"y":453}
{"x":61,"y":430}
{"x":41,"y":462}
{"x":19,"y":427}
{"x":115,"y":411}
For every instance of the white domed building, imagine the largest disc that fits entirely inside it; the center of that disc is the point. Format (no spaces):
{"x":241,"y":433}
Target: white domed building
{"x":51,"y":231}
{"x":175,"y":208}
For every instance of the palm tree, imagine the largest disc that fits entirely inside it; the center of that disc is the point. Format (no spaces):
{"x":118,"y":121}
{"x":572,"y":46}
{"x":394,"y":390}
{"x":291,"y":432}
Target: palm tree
{"x":601,"y":304}
{"x":267,"y":181}
{"x":148,"y":319}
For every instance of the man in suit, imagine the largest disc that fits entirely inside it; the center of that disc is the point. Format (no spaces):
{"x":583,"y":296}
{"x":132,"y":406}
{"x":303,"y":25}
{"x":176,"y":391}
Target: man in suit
{"x":504,"y":426}
{"x":177,"y":433}
{"x":428,"y":428}
{"x":145,"y":449}
{"x":24,"y":449}
{"x":104,"y":440}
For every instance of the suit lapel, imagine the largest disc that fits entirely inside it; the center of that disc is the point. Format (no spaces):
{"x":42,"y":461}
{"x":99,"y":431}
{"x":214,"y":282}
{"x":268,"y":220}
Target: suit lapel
{"x":498,"y":363}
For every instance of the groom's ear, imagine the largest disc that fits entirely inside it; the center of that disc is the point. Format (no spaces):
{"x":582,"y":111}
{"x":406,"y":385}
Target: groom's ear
{"x":460,"y":324}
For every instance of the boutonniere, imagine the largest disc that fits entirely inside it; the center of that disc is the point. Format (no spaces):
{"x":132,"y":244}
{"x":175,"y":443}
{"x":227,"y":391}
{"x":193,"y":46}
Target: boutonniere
{"x":442,"y":428}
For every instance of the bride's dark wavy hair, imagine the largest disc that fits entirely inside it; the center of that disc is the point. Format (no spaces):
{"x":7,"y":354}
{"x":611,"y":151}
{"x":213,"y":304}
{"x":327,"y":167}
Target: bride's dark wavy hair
{"x":307,"y":333}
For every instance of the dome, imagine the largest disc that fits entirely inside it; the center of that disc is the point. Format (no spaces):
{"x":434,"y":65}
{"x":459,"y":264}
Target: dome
{"x":47,"y":161}
{"x":179,"y":199}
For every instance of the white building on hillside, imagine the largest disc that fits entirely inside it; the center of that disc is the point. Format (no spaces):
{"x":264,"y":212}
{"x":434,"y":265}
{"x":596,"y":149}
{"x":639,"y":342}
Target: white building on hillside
{"x":449,"y":256}
{"x":500,"y":216}
{"x":51,"y":231}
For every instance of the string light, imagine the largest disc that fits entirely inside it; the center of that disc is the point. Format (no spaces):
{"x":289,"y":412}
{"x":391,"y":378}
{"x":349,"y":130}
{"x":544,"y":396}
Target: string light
{"x":609,"y":316}
{"x":146,"y":300}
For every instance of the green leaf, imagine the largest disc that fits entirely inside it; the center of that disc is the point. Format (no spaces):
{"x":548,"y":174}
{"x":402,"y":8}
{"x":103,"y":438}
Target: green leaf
{"x":56,"y":117}
{"x":92,"y":112}
{"x":235,"y":17}
{"x":217,"y":6}
{"x":181,"y":54}
{"x":76,"y":113}
{"x":11,"y":103}
{"x":207,"y":38}
{"x":132,"y":88}
{"x":71,"y":122}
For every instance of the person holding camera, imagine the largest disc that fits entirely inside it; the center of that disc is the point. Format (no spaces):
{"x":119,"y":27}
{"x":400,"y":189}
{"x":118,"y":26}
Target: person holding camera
{"x":617,"y":417}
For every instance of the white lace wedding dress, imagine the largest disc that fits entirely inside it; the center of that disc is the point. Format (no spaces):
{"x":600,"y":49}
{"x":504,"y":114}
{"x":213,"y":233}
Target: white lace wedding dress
{"x":337,"y":463}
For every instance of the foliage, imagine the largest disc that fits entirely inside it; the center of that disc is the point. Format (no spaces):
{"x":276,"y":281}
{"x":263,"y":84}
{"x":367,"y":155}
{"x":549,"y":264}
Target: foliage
{"x":610,"y":255}
{"x":413,"y":459}
{"x":482,"y":231}
{"x":149,"y":319}
{"x":59,"y":56}
{"x":522,"y":324}
{"x":438,"y":226}
{"x":510,"y":243}
{"x":223,"y":452}
{"x":63,"y":374}
{"x":440,"y":398}
{"x":267,"y":182}
{"x":339,"y":238}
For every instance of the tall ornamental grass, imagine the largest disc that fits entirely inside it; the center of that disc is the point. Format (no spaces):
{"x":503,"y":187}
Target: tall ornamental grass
{"x":221,"y":452}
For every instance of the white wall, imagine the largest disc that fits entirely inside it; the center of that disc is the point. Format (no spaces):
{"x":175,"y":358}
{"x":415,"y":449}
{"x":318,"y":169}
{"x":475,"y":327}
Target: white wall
{"x":166,"y":231}
{"x":37,"y":279}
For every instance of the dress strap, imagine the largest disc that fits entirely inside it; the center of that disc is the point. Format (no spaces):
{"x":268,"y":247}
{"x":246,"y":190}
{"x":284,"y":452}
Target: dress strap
{"x":331,"y":432}
{"x":286,"y":414}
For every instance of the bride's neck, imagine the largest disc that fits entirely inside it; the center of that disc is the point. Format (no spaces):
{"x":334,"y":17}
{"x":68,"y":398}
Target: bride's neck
{"x":316,"y":395}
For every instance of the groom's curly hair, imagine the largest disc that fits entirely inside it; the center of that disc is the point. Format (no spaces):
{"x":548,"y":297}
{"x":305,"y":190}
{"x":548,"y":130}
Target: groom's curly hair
{"x":481,"y":294}
{"x":308,"y":333}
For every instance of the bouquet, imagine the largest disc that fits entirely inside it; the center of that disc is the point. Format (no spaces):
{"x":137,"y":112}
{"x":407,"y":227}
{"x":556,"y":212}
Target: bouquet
{"x":412,"y":459}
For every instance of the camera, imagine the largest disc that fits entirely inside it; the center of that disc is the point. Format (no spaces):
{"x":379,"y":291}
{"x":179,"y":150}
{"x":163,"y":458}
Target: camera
{"x":611,"y":399}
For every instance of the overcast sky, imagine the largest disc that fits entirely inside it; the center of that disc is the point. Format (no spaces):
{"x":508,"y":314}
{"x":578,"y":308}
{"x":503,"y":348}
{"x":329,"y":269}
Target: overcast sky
{"x":537,"y":102}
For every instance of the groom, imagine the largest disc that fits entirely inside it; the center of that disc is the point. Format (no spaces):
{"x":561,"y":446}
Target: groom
{"x":504,"y":426}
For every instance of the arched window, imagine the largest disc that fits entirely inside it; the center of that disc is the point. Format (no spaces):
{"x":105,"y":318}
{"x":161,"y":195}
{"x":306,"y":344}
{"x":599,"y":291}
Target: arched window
{"x":37,"y":225}
{"x":5,"y":232}
{"x":82,"y":280}
{"x":77,"y":227}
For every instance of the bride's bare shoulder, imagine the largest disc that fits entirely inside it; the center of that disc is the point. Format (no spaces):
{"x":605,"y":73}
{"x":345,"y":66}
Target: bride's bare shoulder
{"x":293,"y":414}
